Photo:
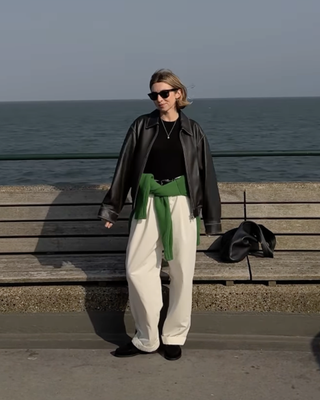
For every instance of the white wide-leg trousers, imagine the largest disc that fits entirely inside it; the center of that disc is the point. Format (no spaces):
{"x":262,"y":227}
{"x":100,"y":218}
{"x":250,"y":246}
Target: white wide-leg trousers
{"x":143,"y":264}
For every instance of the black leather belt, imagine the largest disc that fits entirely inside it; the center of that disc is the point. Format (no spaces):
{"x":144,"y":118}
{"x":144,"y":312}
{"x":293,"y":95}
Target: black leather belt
{"x":165,"y":181}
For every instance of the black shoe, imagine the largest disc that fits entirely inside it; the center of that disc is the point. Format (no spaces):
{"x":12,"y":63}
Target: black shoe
{"x":128,"y":350}
{"x":172,"y":352}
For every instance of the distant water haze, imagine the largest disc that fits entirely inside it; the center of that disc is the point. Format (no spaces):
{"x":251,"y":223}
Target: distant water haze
{"x":100,"y":127}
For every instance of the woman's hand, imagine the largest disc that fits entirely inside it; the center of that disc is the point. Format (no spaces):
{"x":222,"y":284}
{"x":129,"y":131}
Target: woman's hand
{"x":108,"y":225}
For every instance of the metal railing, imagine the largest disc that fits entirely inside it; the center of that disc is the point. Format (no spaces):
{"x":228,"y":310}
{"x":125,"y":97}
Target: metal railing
{"x":113,"y":156}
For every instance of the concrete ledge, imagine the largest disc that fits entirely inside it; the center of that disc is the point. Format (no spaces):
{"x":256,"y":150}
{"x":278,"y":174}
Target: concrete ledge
{"x":214,"y":297}
{"x":195,"y":341}
{"x":209,"y":330}
{"x":52,"y":188}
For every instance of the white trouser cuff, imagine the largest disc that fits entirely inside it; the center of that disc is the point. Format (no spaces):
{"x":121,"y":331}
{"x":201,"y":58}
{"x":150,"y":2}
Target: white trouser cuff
{"x":149,"y":349}
{"x":180,"y":340}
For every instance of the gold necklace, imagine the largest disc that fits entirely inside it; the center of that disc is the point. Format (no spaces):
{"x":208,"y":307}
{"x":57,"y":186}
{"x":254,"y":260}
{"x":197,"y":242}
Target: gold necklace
{"x":168,"y":134}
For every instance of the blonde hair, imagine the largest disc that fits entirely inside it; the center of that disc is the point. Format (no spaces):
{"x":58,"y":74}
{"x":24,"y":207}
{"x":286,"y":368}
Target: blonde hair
{"x":167,"y":76}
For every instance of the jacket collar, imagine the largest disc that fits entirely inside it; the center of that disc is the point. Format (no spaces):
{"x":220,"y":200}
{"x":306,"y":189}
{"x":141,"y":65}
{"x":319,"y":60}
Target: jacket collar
{"x":153,"y":119}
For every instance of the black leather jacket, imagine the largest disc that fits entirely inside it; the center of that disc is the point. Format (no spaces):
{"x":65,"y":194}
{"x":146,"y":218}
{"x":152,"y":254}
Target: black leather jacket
{"x":200,"y":173}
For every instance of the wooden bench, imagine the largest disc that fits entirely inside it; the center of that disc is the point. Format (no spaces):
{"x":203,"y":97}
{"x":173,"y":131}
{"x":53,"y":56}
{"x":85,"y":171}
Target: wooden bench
{"x":52,"y":235}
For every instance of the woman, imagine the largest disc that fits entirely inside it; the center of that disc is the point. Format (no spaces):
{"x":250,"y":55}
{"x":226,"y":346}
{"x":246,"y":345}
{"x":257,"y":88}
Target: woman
{"x":166,"y":161}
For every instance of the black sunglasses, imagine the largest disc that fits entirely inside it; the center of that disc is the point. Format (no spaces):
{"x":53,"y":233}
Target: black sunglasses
{"x":164,"y":94}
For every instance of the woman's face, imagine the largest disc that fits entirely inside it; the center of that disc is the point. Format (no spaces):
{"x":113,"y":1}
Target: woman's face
{"x":167,"y":103}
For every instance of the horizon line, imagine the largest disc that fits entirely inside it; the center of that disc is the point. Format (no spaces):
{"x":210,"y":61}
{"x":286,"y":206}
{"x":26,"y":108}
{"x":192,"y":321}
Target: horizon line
{"x":146,"y":99}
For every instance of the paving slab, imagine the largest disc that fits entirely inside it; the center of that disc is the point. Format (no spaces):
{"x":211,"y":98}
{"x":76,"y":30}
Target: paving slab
{"x":200,"y":374}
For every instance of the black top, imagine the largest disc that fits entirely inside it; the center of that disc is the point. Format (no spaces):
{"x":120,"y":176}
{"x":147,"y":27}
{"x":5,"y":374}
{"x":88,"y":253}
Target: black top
{"x":166,"y":159}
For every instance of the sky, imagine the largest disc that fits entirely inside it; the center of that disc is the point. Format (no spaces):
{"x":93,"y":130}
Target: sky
{"x":108,"y":49}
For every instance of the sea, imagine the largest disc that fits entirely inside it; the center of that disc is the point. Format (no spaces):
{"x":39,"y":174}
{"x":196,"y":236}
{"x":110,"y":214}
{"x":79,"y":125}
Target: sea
{"x":257,"y":124}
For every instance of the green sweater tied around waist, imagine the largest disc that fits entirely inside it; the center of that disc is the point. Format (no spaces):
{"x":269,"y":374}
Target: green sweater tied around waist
{"x":148,"y":186}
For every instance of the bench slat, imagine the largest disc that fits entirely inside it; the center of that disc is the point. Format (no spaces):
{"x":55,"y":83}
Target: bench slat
{"x":283,"y":192}
{"x":61,"y":228}
{"x":54,"y":197}
{"x":80,"y":244}
{"x":32,"y":262}
{"x":292,"y":226}
{"x":37,"y":213}
{"x":214,"y":273}
{"x":50,"y":195}
{"x":70,"y":228}
{"x":115,"y":244}
{"x":31,"y":269}
{"x":286,"y":266}
{"x":299,"y":243}
{"x":63,"y":244}
{"x":81,"y":261}
{"x":283,"y":211}
{"x":76,"y":244}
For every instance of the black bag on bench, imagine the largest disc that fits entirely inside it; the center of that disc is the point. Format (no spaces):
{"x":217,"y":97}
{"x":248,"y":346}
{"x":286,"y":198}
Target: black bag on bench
{"x":239,"y":242}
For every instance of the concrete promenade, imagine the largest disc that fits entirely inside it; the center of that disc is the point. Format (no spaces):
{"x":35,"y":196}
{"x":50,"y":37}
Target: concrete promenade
{"x":79,"y":374}
{"x":243,"y":356}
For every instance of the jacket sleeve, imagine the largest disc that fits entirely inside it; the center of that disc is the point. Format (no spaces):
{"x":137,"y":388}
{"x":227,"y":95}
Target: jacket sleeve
{"x":115,"y":198}
{"x":211,"y":208}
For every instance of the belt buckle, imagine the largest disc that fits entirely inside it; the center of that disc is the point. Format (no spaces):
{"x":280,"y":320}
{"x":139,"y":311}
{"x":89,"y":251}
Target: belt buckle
{"x":164,"y":181}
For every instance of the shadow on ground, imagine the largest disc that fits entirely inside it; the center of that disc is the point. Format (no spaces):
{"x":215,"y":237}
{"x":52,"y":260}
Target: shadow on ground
{"x":64,"y":238}
{"x":315,"y":347}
